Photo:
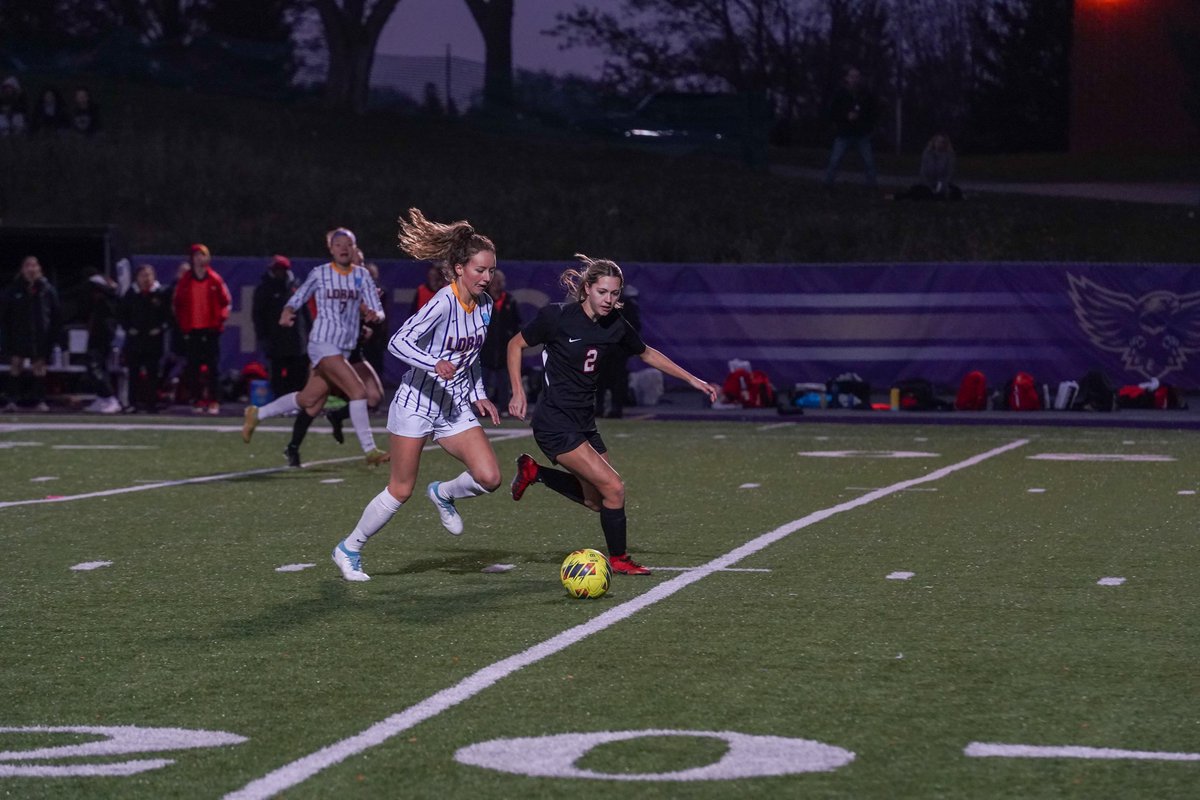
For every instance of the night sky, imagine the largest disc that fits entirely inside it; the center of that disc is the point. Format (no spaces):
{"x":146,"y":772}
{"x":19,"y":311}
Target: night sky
{"x":425,"y":27}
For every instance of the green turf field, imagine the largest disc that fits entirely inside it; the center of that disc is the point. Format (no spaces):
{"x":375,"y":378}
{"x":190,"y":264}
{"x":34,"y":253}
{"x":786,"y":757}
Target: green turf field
{"x":770,"y":654}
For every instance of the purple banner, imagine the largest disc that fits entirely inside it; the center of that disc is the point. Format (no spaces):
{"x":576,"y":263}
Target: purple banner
{"x":886,"y":322}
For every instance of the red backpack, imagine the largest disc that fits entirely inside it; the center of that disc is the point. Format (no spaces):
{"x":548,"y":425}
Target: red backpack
{"x":751,"y":389}
{"x":1021,"y":394}
{"x":972,"y":392}
{"x":761,"y":389}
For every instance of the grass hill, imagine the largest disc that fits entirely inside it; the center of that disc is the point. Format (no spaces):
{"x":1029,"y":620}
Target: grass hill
{"x":253,"y":177}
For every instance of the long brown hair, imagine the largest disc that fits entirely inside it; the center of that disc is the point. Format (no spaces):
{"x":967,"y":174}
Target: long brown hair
{"x":445,"y":244}
{"x":576,"y":281}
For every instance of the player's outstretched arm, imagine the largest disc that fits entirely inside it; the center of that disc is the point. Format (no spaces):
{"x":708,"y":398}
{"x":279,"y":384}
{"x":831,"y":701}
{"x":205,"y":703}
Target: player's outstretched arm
{"x":516,"y":406}
{"x":660,"y":362}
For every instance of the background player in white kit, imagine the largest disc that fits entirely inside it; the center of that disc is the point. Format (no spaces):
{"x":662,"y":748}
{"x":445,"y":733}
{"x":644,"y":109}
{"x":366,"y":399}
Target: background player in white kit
{"x":345,"y":295}
{"x":443,"y":389}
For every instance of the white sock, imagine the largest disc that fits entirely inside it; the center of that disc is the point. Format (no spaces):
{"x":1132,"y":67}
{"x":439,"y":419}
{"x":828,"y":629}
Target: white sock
{"x":362,"y":424}
{"x":462,"y":486}
{"x":279,"y":406}
{"x":377,"y":513}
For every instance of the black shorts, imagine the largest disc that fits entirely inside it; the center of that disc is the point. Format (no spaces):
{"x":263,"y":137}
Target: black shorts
{"x":559,"y":430}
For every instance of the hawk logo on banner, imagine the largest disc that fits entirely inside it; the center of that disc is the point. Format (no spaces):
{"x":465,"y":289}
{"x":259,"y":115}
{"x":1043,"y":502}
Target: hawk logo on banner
{"x":1154,"y":334}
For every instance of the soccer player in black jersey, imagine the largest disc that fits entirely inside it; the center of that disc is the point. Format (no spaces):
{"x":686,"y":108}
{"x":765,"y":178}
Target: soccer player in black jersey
{"x":577,"y":336}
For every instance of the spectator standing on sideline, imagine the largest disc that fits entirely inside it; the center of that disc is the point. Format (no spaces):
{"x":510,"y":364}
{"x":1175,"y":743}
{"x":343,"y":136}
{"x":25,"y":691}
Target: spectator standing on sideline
{"x":505,"y":324}
{"x":284,"y":348}
{"x":201,"y":305}
{"x":374,"y":342}
{"x":853,"y":111}
{"x":614,"y":370}
{"x":176,"y":352}
{"x":145,"y":313}
{"x":49,"y":115}
{"x":14,"y":108}
{"x":434,"y":281}
{"x":30,"y":327}
{"x":937,"y":168}
{"x":83,"y":114}
{"x":101,"y":330}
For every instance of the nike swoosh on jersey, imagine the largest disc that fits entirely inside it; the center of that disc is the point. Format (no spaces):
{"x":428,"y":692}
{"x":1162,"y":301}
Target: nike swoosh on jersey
{"x":572,"y":341}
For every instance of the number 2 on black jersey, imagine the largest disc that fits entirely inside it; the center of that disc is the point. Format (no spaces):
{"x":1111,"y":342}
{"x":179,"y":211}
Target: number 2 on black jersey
{"x":589,"y":359}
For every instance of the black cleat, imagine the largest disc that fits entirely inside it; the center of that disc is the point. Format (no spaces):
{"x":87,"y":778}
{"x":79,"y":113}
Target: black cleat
{"x":336,"y":423}
{"x":293,"y":455}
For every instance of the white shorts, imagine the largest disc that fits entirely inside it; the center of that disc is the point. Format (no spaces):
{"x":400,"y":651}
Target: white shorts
{"x":413,"y":425}
{"x":319,"y":350}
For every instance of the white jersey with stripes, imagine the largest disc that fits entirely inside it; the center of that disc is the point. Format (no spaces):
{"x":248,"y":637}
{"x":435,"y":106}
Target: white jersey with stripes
{"x":444,"y":329}
{"x":339,"y":295}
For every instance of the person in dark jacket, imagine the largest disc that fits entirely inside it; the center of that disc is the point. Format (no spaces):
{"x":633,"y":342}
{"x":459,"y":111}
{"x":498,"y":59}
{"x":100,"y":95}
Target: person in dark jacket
{"x":284,"y":348}
{"x":83,"y":115}
{"x":175,"y":357}
{"x":49,"y":114}
{"x":145,"y":313}
{"x":102,"y":330}
{"x":30,"y":327}
{"x":14,"y":108}
{"x":505,"y":324}
{"x":374,"y":345}
{"x":853,"y":112}
{"x":613,"y":379}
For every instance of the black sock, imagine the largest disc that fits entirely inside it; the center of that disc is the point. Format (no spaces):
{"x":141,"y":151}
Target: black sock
{"x":564,"y":483}
{"x":300,"y":428}
{"x":341,"y":415}
{"x":612,"y":522}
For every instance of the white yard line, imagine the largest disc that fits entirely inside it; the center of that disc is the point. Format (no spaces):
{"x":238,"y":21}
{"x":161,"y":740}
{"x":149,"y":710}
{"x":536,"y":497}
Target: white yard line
{"x":224,"y":476}
{"x":993,"y":750}
{"x":145,"y":487}
{"x":302,"y":769}
{"x":13,"y":427}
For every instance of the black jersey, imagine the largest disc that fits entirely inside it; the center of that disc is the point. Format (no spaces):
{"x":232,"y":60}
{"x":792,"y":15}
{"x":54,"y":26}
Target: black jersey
{"x":574,"y":347}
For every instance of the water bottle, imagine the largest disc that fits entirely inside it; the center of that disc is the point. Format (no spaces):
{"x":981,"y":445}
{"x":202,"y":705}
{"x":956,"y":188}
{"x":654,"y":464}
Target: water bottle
{"x":56,"y":357}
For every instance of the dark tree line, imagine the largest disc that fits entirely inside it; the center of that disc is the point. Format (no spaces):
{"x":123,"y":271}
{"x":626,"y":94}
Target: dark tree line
{"x":210,"y":41}
{"x":238,"y":40}
{"x":991,"y":72}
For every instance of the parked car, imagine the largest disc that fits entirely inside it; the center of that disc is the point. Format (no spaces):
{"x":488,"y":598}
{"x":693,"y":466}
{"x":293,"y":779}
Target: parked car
{"x":720,"y":123}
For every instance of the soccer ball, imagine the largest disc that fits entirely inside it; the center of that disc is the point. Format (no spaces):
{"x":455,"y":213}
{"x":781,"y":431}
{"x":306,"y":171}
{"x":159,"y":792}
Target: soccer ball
{"x":586,"y":573}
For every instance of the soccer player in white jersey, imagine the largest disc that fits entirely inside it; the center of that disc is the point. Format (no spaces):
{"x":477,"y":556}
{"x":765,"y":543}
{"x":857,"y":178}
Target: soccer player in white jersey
{"x":442,"y":391}
{"x":319,"y":390}
{"x":345,"y":295}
